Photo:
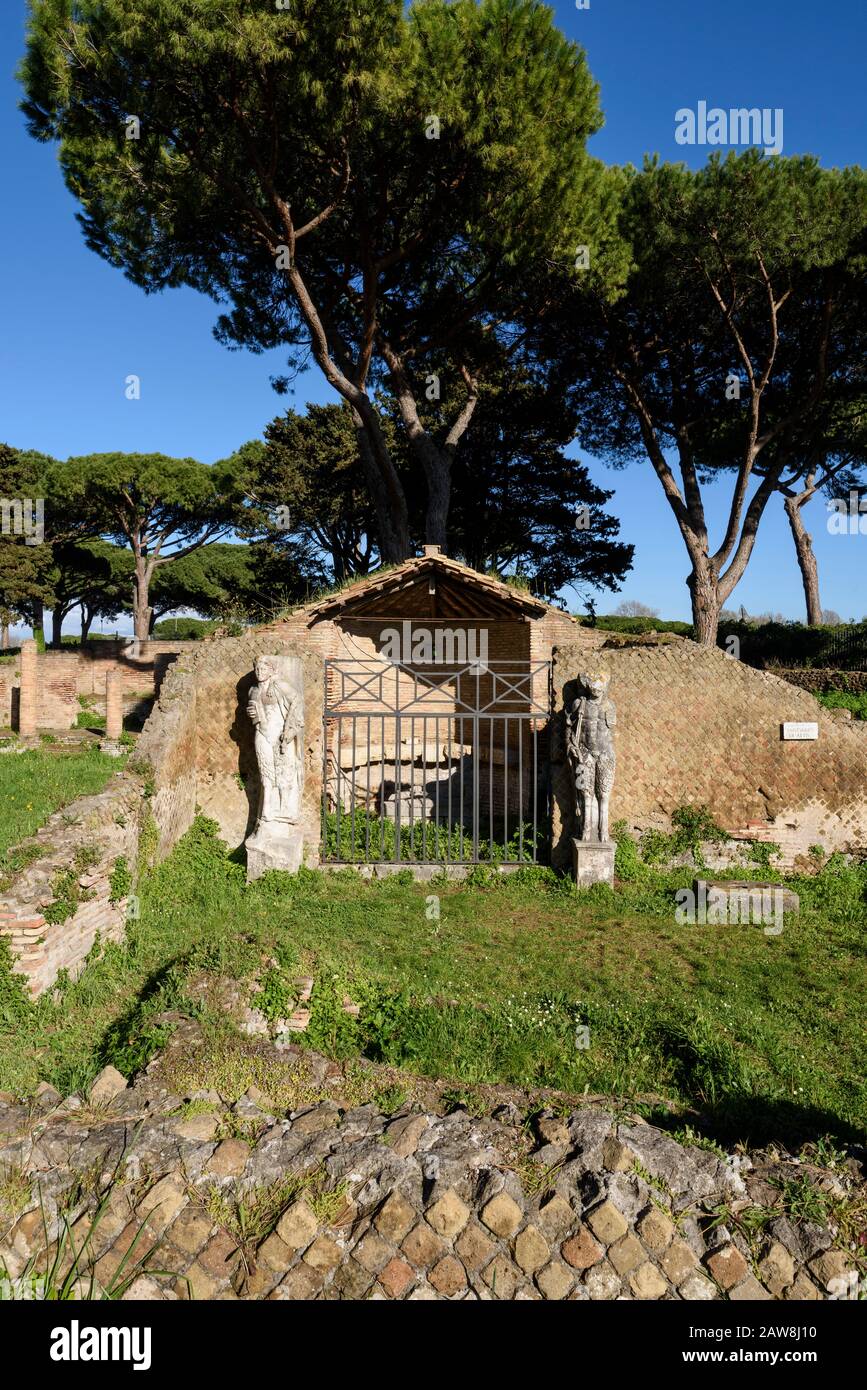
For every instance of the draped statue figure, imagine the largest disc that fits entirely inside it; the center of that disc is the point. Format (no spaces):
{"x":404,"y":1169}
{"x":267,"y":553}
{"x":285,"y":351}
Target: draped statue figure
{"x":590,"y":749}
{"x":276,"y":709}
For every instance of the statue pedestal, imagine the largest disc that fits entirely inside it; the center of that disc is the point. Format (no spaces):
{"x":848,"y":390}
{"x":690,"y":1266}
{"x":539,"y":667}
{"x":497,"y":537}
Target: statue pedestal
{"x":274,"y":847}
{"x":593,"y":861}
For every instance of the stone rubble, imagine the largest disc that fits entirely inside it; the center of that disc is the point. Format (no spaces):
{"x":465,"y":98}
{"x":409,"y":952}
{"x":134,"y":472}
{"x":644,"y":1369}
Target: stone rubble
{"x":407,"y":1205}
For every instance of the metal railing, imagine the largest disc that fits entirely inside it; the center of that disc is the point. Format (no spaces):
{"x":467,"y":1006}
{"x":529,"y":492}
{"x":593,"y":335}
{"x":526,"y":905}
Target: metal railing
{"x":444,"y":766}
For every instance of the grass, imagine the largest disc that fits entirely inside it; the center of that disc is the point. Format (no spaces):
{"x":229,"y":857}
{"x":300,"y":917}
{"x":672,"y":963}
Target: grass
{"x":748,"y":1036}
{"x":360,"y":837}
{"x":249,"y":1217}
{"x":845,"y":699}
{"x":36,"y":783}
{"x":62,"y":1270}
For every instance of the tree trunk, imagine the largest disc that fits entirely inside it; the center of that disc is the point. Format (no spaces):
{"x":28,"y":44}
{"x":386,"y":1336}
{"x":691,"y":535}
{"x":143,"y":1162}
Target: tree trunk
{"x":806,"y":557}
{"x":706,"y":605}
{"x":141,"y":611}
{"x":58,"y":613}
{"x":39,"y":625}
{"x":86,"y":620}
{"x":389,"y":503}
{"x":439,"y":495}
{"x":4,"y":638}
{"x":436,"y":463}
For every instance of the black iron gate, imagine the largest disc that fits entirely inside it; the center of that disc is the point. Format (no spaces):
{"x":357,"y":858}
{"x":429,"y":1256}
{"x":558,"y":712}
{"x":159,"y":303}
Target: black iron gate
{"x":436,"y":765}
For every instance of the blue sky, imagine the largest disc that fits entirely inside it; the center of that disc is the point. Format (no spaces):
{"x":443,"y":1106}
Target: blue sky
{"x":73,"y":328}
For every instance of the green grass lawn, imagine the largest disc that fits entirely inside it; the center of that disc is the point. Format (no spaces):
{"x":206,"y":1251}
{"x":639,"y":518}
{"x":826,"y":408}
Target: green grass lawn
{"x":760,"y":1036}
{"x":38,"y":782}
{"x":845,"y":699}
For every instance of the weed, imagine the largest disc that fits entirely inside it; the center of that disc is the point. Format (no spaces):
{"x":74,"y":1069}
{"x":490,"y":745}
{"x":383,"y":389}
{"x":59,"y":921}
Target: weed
{"x":61,"y":1271}
{"x":276,"y":998}
{"x":389,"y":1097}
{"x":120,"y":880}
{"x":15,"y":1190}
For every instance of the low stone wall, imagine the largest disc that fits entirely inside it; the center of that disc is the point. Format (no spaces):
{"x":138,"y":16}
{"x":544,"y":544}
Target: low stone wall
{"x":85,"y":841}
{"x":404,"y":1205}
{"x":824,"y":680}
{"x":695,"y":727}
{"x":198,"y":742}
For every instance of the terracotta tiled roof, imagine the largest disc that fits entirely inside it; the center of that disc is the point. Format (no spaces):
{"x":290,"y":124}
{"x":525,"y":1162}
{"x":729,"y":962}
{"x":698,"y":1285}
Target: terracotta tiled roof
{"x":409,"y":572}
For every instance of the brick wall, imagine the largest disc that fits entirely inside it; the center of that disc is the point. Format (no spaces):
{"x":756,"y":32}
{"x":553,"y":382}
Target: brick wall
{"x":64,"y":675}
{"x":108,"y":824}
{"x":199,"y":741}
{"x":142,"y":670}
{"x":695,"y":727}
{"x":57,"y":703}
{"x":822,"y":679}
{"x":57,"y":690}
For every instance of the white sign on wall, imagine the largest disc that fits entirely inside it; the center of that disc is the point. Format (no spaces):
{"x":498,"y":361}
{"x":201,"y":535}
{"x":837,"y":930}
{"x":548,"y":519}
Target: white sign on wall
{"x":800,"y":731}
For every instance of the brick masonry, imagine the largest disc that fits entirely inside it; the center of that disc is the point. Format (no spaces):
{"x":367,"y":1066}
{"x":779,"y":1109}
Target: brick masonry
{"x":695,"y":727}
{"x":199,"y":741}
{"x":823,"y":679}
{"x":413,"y":1204}
{"x":108,"y":825}
{"x":62,"y":676}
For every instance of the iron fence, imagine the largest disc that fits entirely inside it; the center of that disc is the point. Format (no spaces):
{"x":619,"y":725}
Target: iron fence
{"x":445,"y":765}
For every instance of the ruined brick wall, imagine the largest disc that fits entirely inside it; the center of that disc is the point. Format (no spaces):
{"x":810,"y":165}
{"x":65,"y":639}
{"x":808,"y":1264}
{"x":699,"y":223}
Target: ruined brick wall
{"x":695,"y":727}
{"x":141,"y":668}
{"x":64,"y":675}
{"x":107,"y":824}
{"x":57,"y":700}
{"x":57,"y":704}
{"x":199,"y":741}
{"x":8,"y":694}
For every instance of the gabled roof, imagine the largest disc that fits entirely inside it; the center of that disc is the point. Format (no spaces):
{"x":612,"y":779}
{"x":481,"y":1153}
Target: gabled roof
{"x":454,"y":584}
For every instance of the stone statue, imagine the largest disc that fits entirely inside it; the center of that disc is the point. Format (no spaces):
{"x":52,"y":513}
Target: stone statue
{"x":590,"y":748}
{"x":276,"y":708}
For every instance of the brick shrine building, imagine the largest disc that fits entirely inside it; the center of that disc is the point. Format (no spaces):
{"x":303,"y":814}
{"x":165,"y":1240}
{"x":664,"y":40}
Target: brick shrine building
{"x":436,"y":711}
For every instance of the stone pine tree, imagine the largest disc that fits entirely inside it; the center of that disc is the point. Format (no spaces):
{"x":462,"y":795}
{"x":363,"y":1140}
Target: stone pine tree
{"x":25,"y":556}
{"x":521,"y":506}
{"x":232,"y":582}
{"x":161,"y":508}
{"x":94,"y":576}
{"x":309,"y":479}
{"x":731,"y":347}
{"x":370,"y":183}
{"x":832,"y":467}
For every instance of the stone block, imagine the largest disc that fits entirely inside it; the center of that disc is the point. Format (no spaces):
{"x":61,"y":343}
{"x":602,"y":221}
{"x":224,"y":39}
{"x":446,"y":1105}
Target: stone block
{"x":593,"y":862}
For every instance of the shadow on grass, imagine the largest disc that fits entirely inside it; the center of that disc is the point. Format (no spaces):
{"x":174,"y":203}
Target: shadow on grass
{"x":757,"y":1121}
{"x":131,"y":1040}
